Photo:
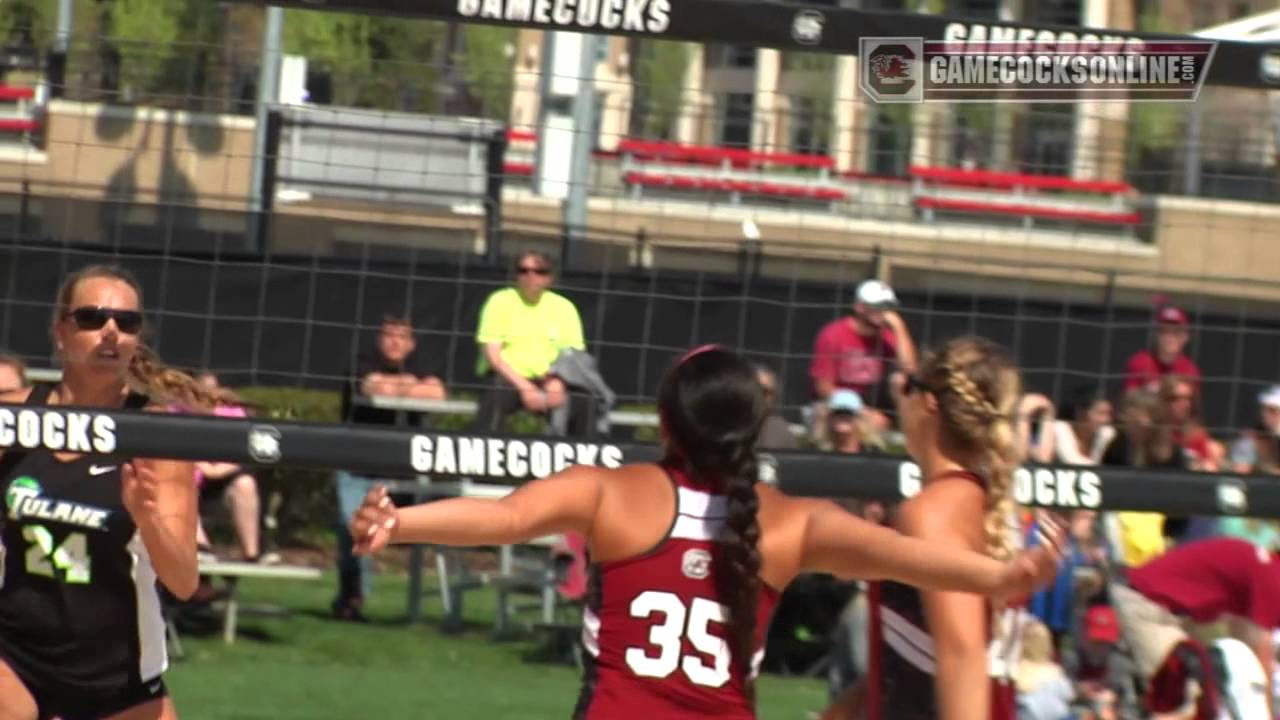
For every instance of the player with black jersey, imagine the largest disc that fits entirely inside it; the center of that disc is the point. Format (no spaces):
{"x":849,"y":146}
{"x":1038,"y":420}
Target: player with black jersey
{"x":83,"y":538}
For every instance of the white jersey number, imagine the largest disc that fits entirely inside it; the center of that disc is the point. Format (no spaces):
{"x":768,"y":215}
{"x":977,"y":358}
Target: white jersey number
{"x":668,"y":635}
{"x":71,"y":557}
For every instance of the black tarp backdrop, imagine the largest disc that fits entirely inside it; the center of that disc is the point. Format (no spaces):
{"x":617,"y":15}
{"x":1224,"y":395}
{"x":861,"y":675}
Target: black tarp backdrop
{"x":767,"y":24}
{"x":293,"y":321}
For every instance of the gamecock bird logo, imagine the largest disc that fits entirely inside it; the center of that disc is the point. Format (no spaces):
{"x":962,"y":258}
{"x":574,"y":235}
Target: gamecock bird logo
{"x":890,"y":68}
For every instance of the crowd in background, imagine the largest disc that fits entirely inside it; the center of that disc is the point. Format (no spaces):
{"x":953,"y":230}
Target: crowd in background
{"x":533,"y":357}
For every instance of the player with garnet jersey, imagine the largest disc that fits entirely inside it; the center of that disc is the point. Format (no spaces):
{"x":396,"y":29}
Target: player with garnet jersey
{"x":690,"y":554}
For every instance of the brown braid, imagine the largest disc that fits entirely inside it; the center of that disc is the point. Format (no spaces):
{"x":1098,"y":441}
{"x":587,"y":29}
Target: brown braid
{"x":146,"y":373}
{"x":151,"y":377}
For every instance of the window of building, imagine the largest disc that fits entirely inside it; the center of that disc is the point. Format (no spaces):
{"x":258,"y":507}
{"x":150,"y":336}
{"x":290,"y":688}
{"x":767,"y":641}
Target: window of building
{"x":735,"y":120}
{"x":810,"y":126}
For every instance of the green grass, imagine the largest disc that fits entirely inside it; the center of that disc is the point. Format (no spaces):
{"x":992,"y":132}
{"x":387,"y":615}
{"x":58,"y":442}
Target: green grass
{"x":308,"y":666}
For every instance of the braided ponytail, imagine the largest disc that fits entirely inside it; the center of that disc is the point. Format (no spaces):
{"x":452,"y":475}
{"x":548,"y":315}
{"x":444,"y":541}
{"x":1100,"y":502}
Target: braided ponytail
{"x":736,"y":561}
{"x":151,"y":377}
{"x":978,"y":387}
{"x":712,"y":407}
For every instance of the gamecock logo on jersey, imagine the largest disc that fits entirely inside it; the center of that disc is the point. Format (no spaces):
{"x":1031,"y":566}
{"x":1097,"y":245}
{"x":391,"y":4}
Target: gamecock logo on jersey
{"x":696,"y":564}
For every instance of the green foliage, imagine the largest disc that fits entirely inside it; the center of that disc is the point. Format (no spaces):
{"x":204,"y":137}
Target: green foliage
{"x":658,"y":72}
{"x":337,"y":43}
{"x":34,"y":17}
{"x":144,"y":32}
{"x":488,"y":62}
{"x":308,"y":506}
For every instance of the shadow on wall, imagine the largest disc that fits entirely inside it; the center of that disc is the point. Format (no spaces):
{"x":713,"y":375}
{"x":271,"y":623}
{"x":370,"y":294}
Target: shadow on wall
{"x":170,"y":210}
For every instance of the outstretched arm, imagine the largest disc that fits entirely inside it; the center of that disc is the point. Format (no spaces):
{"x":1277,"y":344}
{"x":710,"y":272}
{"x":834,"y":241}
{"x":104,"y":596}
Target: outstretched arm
{"x":564,"y":502}
{"x":844,"y":545}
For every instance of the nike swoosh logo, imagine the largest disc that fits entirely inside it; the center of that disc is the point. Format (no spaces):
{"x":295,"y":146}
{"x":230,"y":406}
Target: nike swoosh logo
{"x":101,"y":469}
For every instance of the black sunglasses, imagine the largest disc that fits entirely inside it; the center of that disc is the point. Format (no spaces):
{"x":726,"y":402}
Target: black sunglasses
{"x":128,"y":322}
{"x":912,"y":384}
{"x":525,"y":270}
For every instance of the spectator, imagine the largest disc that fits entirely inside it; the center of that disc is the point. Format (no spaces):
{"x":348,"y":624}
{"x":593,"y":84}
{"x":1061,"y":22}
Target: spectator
{"x":849,"y":430}
{"x":776,"y":433}
{"x":235,"y":486}
{"x":1078,"y":577}
{"x":1182,"y":411}
{"x":1145,"y":439}
{"x":856,"y":352}
{"x":13,"y":373}
{"x":521,"y":332}
{"x":1035,"y":431}
{"x":393,"y":369}
{"x":1102,"y":672}
{"x":1258,"y":449}
{"x":1044,"y":692}
{"x":1082,"y":437}
{"x":1166,"y":356}
{"x":1201,"y":583}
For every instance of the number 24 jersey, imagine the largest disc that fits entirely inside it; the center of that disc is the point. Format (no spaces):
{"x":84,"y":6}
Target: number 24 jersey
{"x":78,"y":593}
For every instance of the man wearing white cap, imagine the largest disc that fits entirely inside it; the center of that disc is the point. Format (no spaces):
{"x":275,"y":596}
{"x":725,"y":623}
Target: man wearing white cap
{"x":856,"y":352}
{"x":1257,"y":450}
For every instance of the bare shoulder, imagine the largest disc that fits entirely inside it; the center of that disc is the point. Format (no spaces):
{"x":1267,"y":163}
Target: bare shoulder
{"x":947,"y":509}
{"x":16,"y":396}
{"x":777,"y":509}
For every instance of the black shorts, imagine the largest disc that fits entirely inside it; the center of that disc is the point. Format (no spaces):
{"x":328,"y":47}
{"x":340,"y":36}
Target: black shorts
{"x":57,"y":698}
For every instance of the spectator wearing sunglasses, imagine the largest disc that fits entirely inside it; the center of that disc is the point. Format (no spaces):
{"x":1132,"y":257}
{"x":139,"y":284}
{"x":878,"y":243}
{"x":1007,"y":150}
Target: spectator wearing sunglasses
{"x":522,"y":331}
{"x":81,"y":630}
{"x":13,"y":373}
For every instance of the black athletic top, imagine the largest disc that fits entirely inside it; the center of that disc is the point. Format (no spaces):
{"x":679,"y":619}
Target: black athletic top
{"x":78,"y":596}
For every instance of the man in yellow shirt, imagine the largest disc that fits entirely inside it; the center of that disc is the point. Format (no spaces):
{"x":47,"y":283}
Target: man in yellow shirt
{"x":522,"y":330}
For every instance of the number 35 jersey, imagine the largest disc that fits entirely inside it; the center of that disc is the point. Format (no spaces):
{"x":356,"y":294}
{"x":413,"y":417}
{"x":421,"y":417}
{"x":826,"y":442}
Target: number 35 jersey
{"x":78,"y":595}
{"x":655,"y":632}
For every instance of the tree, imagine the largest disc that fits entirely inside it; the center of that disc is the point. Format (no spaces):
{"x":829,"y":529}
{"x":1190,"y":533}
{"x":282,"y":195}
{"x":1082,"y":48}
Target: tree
{"x":658,"y":72}
{"x":488,"y":63}
{"x":335,"y":43}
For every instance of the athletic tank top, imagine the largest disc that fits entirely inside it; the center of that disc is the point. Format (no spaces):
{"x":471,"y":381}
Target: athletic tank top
{"x":654,"y":631}
{"x":902,"y":663}
{"x":77,"y":589}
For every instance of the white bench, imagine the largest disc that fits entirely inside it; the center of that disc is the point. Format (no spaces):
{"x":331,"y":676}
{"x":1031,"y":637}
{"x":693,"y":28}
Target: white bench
{"x":508,"y":579}
{"x":629,"y":418}
{"x":231,"y":573}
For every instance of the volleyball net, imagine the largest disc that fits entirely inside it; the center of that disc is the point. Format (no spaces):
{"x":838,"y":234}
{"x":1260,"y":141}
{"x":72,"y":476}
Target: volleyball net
{"x":734,"y":186}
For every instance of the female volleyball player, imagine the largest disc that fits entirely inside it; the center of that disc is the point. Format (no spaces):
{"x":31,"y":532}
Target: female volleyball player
{"x":691,"y":554}
{"x":939,"y":654}
{"x":86,"y":537}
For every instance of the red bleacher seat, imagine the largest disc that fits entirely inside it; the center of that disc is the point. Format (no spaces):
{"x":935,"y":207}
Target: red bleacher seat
{"x":1023,"y":195}
{"x":661,"y":164}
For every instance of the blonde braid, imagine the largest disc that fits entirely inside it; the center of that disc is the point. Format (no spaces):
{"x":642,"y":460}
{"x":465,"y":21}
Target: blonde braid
{"x":992,"y":430}
{"x":150,"y":376}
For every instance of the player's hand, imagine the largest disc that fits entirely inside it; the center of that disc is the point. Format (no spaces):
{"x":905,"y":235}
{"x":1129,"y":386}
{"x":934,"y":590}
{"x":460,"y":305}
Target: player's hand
{"x":1035,"y":568}
{"x":374,"y":523}
{"x":140,"y":489}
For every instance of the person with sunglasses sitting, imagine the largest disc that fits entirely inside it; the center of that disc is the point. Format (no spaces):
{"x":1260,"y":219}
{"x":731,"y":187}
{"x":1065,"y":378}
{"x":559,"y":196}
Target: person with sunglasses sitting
{"x":522,"y":330}
{"x":88,"y":536}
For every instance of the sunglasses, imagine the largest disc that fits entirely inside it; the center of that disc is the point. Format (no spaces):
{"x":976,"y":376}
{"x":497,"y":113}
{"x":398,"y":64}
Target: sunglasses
{"x":912,"y":384}
{"x":128,"y":322}
{"x":525,"y":270}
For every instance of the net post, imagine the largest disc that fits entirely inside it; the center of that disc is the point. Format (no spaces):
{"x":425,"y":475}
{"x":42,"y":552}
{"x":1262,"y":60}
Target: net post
{"x":496,"y":153}
{"x":268,"y":81}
